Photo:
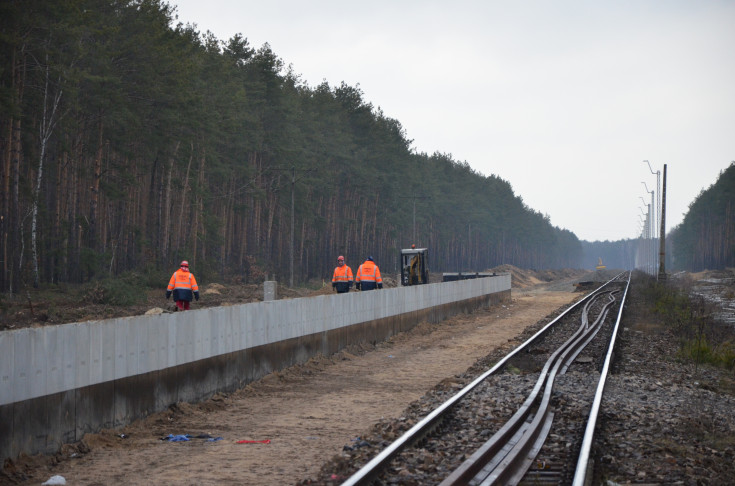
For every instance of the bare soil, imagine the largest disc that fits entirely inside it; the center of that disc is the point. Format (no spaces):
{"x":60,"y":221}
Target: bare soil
{"x":297,"y":419}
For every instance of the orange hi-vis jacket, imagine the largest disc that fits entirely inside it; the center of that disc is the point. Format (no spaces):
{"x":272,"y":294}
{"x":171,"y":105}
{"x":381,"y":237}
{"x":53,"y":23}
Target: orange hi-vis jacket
{"x":368,"y":276}
{"x":184,"y":285}
{"x":342,"y":278}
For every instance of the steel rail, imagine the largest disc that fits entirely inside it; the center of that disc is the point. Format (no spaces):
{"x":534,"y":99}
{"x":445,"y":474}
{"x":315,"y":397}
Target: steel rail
{"x":507,"y":455}
{"x":580,"y":474}
{"x":370,"y":470}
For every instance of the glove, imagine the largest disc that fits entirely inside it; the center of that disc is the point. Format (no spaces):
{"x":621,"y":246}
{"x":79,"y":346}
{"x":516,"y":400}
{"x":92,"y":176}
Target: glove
{"x":380,"y":286}
{"x":168,"y":294}
{"x":334,"y":286}
{"x":357,"y":286}
{"x":196,"y":295}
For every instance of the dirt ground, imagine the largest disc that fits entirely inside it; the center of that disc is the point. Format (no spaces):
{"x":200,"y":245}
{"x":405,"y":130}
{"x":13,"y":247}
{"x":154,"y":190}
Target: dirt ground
{"x":299,"y":418}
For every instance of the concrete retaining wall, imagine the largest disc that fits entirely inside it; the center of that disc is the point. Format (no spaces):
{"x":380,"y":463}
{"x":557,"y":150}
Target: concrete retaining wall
{"x":59,"y":382}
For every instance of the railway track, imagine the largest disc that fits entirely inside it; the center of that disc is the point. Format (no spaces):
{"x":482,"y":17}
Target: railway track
{"x":527,"y":420}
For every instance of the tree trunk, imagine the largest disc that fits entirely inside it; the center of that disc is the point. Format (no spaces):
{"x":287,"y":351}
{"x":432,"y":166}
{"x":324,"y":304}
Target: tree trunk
{"x":165,"y":237}
{"x":183,"y":201}
{"x":95,"y":189}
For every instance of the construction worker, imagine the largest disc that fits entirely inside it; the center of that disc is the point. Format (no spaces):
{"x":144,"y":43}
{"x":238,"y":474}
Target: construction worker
{"x":184,"y":286}
{"x":368,"y":276}
{"x":342,"y":277}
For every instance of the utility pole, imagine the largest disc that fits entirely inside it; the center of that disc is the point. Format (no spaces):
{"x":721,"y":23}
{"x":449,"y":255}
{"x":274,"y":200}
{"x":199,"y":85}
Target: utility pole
{"x":414,"y":197}
{"x":293,"y":170}
{"x":662,"y":238}
{"x":653,"y":231}
{"x":658,"y":190}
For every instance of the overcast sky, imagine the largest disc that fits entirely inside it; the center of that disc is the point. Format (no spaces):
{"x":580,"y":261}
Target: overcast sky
{"x":563,"y":99}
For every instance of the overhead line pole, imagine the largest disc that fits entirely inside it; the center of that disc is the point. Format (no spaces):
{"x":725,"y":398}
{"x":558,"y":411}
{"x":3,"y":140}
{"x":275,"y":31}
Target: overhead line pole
{"x":414,"y":197}
{"x":658,"y":191}
{"x":662,"y":239}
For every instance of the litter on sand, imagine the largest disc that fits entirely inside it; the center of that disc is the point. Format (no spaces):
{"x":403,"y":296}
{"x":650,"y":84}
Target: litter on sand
{"x":55,"y":480}
{"x":188,"y":437}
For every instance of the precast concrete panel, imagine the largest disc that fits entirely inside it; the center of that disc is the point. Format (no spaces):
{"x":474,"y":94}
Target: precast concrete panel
{"x":37,"y":373}
{"x":334,"y":306}
{"x":54,"y":359}
{"x":172,"y":348}
{"x":81,"y":356}
{"x":279,"y":317}
{"x":270,"y":319}
{"x":134,"y":347}
{"x":107,"y":337}
{"x":255,"y":324}
{"x":94,"y":351}
{"x":240,"y":335}
{"x":23,"y":365}
{"x":292,"y":317}
{"x":155,"y":337}
{"x":7,"y":370}
{"x":311,"y":314}
{"x":121,"y":351}
{"x":223,"y":331}
{"x":214,"y":319}
{"x":201,"y":337}
{"x":228,"y":330}
{"x":233,"y":339}
{"x":185,"y":340}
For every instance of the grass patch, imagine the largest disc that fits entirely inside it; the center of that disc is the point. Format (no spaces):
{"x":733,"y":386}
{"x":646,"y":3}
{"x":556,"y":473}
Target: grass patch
{"x":127,"y":289}
{"x":702,"y":339}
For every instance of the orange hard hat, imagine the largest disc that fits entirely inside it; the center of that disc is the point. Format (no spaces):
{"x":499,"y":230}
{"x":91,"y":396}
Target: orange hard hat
{"x":184,"y":264}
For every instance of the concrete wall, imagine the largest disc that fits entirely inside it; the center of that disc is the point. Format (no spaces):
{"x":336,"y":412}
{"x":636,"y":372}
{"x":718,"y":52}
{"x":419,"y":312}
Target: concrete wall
{"x":59,"y":382}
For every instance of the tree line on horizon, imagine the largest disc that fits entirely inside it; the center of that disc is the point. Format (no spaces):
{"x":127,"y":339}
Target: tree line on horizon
{"x":704,"y":240}
{"x":129,"y":141}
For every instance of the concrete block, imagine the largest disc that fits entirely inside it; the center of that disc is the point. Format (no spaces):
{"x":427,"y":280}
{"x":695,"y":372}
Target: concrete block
{"x":270,"y":290}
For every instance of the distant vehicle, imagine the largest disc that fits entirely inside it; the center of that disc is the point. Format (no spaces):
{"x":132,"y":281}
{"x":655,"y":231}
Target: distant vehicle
{"x":414,"y":266}
{"x":600,"y":266}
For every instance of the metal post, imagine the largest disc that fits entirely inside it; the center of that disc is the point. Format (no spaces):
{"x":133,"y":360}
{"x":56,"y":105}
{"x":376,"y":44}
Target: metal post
{"x":414,"y":197}
{"x":662,"y":242}
{"x":658,"y":191}
{"x":414,"y":221}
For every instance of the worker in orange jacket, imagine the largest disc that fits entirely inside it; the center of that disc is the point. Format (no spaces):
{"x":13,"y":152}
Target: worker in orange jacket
{"x":342,"y":277}
{"x":368,"y":276}
{"x":184,"y":286}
